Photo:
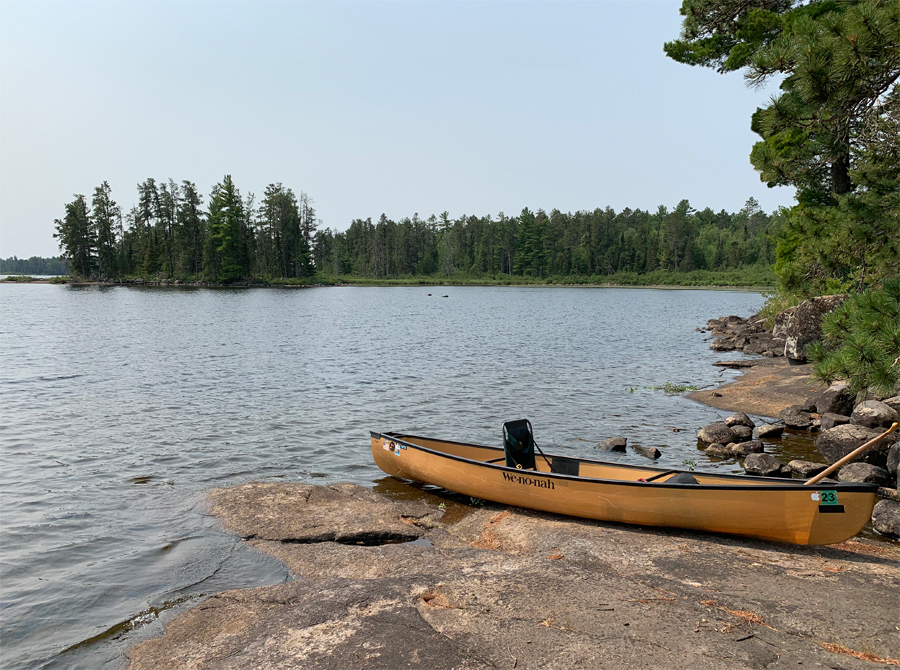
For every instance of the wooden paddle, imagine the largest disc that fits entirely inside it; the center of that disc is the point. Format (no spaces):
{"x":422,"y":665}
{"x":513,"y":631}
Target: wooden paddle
{"x":849,"y":457}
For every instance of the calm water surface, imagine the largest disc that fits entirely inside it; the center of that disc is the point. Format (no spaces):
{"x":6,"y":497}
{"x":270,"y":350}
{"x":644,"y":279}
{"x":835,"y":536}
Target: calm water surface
{"x":121,"y":407}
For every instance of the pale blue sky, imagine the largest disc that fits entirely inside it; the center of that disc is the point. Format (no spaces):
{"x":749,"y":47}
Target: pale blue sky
{"x":369,"y":107}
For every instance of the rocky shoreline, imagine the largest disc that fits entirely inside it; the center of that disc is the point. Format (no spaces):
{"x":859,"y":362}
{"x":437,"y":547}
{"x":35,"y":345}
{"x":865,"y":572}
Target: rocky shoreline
{"x":793,"y":329}
{"x":405,"y":577}
{"x":383,"y":582}
{"x":739,"y":438}
{"x":782,"y":386}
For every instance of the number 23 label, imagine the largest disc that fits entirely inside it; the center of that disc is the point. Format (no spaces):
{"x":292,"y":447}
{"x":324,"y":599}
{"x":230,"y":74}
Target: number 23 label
{"x":826,"y":497}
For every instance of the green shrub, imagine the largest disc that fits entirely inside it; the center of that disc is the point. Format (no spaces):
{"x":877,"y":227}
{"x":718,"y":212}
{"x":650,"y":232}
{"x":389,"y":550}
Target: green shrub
{"x":861,"y":342}
{"x":23,"y":278}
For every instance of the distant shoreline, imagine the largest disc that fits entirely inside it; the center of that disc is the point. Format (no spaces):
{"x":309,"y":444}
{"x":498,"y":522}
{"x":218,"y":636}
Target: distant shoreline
{"x":395,"y":283}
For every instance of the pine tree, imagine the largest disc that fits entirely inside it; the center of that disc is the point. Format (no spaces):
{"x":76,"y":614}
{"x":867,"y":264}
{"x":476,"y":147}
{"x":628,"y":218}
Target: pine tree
{"x":167,"y":204}
{"x":106,"y":221}
{"x":152,"y":262}
{"x":839,"y":65}
{"x":529,"y":260}
{"x":191,"y":227}
{"x":76,"y":238}
{"x":224,"y":249}
{"x":280,"y":222}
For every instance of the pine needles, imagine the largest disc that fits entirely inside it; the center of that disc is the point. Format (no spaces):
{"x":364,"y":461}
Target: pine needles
{"x":861,"y":342}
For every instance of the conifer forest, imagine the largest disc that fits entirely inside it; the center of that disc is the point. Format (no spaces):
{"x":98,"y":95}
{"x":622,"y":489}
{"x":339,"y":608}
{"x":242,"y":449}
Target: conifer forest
{"x":172,"y":232}
{"x":831,"y":131}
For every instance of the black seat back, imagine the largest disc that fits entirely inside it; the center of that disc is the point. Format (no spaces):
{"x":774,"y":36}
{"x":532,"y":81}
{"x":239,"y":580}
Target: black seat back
{"x":518,"y":444}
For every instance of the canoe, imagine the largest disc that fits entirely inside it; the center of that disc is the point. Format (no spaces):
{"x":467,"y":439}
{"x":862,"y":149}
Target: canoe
{"x":781,"y":510}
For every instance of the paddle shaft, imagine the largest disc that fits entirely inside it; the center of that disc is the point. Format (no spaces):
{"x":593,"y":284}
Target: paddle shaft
{"x":849,"y":457}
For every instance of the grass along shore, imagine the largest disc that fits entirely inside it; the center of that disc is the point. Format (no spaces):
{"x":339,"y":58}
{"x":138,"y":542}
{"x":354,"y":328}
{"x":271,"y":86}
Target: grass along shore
{"x":753,"y":277}
{"x":762,"y":278}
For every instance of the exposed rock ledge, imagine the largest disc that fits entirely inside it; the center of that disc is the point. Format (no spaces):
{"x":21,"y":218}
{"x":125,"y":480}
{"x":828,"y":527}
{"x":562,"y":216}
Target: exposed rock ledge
{"x":765,"y":389}
{"x":510,"y":588}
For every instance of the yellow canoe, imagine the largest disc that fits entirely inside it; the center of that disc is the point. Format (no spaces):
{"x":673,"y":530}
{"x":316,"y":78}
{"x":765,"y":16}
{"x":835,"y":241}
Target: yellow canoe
{"x":782,"y":510}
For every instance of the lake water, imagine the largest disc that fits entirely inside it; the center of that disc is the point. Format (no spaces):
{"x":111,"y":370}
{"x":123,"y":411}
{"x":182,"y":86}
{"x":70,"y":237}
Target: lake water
{"x":122,"y":407}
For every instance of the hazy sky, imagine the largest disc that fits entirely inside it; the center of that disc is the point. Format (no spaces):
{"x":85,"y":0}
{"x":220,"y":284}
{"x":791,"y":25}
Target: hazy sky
{"x":369,"y":107}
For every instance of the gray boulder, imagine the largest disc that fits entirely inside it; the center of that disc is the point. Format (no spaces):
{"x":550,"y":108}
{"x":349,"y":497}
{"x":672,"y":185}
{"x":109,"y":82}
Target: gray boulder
{"x":742,"y":433}
{"x":742,"y":449}
{"x":893,"y":462}
{"x":836,"y":399}
{"x":782,"y":321}
{"x":757,"y":345}
{"x":836,"y":443}
{"x":889,"y":494}
{"x":873,"y":414}
{"x":795,"y":416}
{"x":806,"y":469}
{"x":765,"y":465}
{"x":893,"y":403}
{"x":863,"y":473}
{"x":650,"y":452}
{"x":829,"y":420}
{"x":613,"y":444}
{"x":776,"y":347}
{"x":886,"y":518}
{"x":804,"y":324}
{"x":739,"y":419}
{"x":723,"y":344}
{"x":718,"y":451}
{"x":716,"y":432}
{"x":768,"y":431}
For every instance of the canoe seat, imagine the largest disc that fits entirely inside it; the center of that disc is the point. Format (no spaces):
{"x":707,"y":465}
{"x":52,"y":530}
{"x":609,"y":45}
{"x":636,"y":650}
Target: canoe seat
{"x":682,"y":478}
{"x":518,"y":444}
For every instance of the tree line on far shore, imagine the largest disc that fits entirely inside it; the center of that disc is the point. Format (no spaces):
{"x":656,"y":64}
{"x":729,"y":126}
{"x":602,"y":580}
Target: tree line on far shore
{"x":35,"y":265}
{"x":541,"y":244}
{"x":171,"y":233}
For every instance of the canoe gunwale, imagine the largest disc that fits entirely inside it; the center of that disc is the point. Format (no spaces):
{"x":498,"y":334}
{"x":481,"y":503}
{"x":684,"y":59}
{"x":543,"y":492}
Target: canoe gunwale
{"x":768,"y":486}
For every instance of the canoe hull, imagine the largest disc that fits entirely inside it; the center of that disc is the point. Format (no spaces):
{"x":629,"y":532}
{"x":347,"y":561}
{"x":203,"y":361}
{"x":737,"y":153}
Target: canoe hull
{"x":750,"y":507}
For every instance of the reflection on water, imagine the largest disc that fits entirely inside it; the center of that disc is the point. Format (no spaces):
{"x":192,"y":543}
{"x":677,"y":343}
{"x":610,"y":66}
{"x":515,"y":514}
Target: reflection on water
{"x":123,"y":406}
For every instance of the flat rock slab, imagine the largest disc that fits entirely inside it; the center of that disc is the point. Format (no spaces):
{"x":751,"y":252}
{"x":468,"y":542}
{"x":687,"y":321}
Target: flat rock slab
{"x":510,"y":588}
{"x":345,"y":513}
{"x":322,"y":624}
{"x":764,"y":390}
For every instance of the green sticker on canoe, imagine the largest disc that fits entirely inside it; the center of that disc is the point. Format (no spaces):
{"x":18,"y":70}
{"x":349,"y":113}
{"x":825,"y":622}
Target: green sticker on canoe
{"x":828,"y":498}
